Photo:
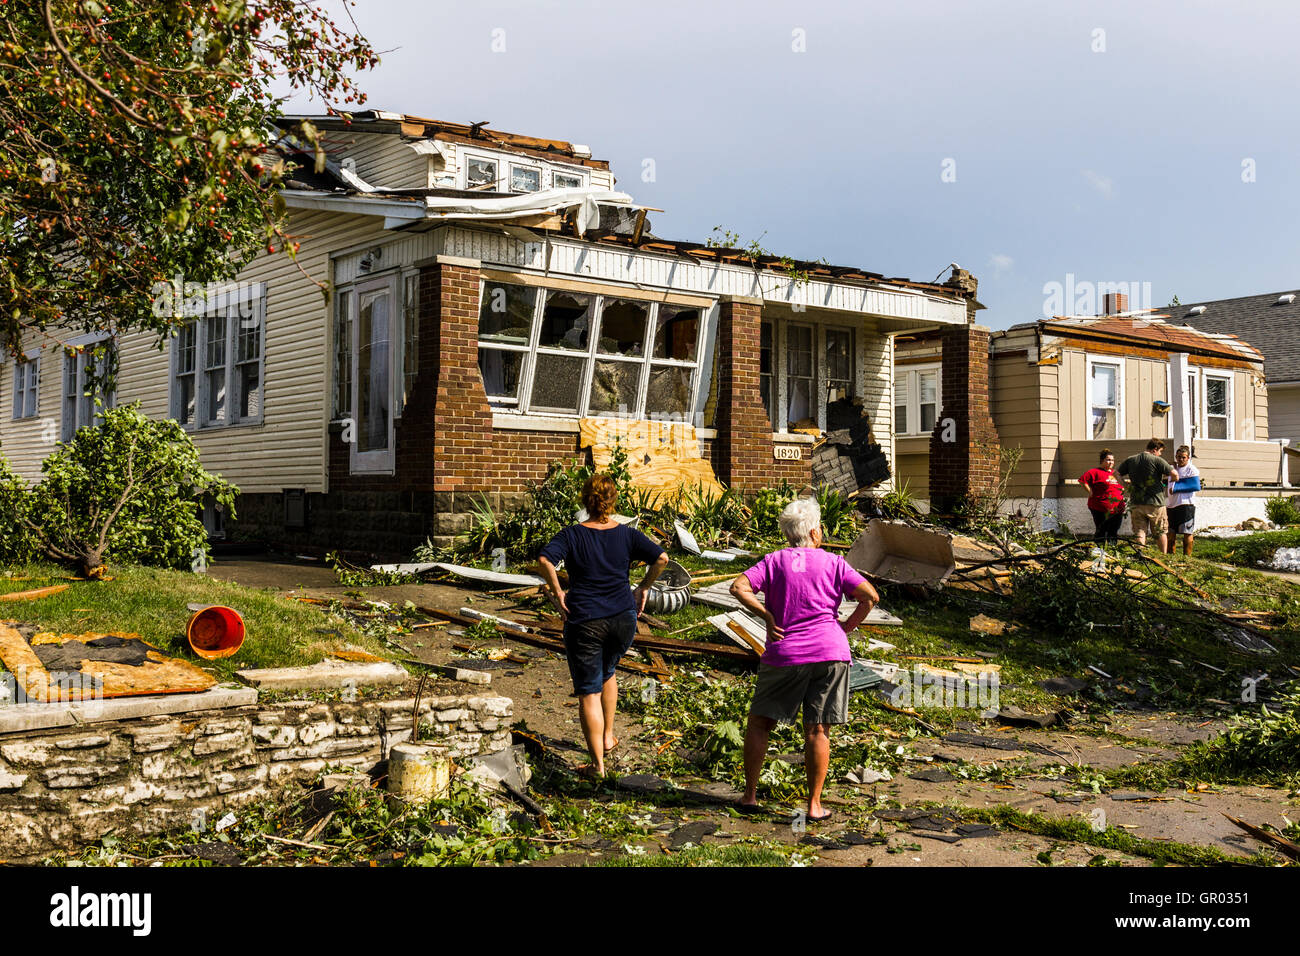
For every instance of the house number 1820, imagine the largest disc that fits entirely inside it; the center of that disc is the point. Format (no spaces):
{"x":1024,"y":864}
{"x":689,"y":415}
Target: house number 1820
{"x":787,"y":452}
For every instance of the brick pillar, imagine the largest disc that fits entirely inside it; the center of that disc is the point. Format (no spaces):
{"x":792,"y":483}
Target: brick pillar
{"x":462,"y":420}
{"x":965,"y":453}
{"x":744,"y":457}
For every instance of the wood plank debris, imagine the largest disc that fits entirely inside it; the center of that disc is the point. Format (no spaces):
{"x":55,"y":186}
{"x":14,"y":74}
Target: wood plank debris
{"x":719,"y":595}
{"x":326,"y":674}
{"x":462,"y":571}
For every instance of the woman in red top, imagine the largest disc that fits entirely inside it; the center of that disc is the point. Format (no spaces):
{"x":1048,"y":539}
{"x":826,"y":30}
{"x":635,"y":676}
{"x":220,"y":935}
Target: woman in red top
{"x":1105,"y":498}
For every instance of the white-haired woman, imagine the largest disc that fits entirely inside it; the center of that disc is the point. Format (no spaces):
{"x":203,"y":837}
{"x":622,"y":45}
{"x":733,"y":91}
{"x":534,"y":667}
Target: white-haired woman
{"x":806,"y":661}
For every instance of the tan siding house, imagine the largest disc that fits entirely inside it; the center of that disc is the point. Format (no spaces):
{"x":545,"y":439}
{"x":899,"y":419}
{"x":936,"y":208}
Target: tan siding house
{"x":1063,"y":389}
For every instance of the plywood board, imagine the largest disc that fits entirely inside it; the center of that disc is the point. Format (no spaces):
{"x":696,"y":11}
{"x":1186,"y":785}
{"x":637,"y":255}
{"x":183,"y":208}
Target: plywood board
{"x":160,"y":675}
{"x":662,"y":456}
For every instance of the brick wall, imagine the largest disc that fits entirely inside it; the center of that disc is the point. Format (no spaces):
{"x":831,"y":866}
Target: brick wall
{"x":967,"y":467}
{"x":742,"y":453}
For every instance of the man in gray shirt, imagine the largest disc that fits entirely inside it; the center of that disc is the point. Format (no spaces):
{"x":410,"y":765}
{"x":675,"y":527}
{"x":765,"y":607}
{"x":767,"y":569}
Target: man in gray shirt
{"x":1148,"y":474}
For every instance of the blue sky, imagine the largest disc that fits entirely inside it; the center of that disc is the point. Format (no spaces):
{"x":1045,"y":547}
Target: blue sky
{"x":1115,"y":156}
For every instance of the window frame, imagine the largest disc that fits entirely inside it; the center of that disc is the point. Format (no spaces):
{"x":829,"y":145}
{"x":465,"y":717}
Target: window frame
{"x":540,"y":170}
{"x":76,"y":351}
{"x":523,"y":405}
{"x":29,"y":388}
{"x":228,"y":305}
{"x":381,"y":461}
{"x":1116,"y":362}
{"x":469,"y":156}
{"x":911,"y":375}
{"x":1204,"y":414}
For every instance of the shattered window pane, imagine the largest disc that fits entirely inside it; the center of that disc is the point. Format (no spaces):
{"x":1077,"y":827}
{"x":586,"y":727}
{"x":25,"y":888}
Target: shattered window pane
{"x":501,"y":372}
{"x":622,"y":327}
{"x":506,"y":313}
{"x":481,"y":174}
{"x":614,"y":388}
{"x":566,"y":320}
{"x":676,"y":330}
{"x":525,"y":179}
{"x":669,"y":394}
{"x":557,"y":383}
{"x":566,"y":181}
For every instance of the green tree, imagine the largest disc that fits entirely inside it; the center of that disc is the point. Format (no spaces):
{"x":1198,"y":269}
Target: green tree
{"x":128,"y":489}
{"x":134,"y":139}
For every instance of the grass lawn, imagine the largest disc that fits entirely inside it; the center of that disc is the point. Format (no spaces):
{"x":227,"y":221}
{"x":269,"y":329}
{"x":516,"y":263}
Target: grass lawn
{"x":1249,"y":550}
{"x":152,"y":603}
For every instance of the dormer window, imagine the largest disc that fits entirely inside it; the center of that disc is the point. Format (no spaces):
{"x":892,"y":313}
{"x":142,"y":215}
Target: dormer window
{"x":525,"y":179}
{"x":481,"y":174}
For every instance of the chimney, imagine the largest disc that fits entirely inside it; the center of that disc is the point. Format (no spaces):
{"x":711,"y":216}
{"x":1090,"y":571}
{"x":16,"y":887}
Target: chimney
{"x":1113,"y":303}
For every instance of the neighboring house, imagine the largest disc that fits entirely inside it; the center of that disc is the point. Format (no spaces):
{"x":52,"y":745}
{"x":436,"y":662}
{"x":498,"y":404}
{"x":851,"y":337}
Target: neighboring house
{"x":492,"y":303}
{"x":1062,"y":389}
{"x":1271,"y":323}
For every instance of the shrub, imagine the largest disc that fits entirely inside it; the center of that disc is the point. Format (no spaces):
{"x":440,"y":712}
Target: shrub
{"x":128,"y":490}
{"x":1282,"y":511}
{"x":16,"y":542}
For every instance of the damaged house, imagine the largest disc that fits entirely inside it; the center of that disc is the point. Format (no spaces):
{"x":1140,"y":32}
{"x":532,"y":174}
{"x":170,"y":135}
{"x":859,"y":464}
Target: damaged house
{"x":1061,"y":389}
{"x":492,"y":304}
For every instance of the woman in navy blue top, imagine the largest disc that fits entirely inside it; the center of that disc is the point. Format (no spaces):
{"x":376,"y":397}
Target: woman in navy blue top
{"x":600,"y":608}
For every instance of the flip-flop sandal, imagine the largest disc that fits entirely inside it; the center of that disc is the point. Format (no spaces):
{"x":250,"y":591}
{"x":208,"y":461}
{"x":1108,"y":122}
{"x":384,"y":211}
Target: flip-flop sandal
{"x":610,"y":750}
{"x":821,"y":819}
{"x":749,"y":809}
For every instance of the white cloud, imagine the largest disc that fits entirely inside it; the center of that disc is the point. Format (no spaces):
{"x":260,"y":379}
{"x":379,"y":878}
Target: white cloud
{"x":1104,"y":185}
{"x":1001,"y":263}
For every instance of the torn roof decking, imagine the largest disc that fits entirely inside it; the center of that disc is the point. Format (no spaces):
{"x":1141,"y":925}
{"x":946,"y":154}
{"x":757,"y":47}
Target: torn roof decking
{"x":1147,"y":329}
{"x":418,"y":127}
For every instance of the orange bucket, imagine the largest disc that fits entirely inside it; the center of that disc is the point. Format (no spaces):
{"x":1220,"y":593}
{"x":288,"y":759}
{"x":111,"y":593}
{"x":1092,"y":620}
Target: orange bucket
{"x":215,"y":631}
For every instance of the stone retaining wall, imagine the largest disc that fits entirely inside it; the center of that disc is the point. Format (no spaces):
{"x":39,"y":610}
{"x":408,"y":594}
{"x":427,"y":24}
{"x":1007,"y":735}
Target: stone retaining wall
{"x":63,"y":788}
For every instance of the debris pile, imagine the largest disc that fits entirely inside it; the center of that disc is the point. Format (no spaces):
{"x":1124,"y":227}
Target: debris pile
{"x":846,"y":459}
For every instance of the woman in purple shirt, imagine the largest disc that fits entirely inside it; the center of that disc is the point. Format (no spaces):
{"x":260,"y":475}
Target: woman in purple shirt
{"x":806,"y":661}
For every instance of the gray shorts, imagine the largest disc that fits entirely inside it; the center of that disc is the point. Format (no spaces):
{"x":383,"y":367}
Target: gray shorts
{"x":821,"y":689}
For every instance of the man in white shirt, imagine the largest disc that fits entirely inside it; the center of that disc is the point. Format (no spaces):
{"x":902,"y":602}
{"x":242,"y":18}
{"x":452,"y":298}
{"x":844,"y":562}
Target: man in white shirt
{"x":1181,"y":510}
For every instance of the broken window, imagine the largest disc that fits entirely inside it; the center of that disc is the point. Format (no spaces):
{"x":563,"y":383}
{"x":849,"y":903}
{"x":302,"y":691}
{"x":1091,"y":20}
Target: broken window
{"x":557,"y":384}
{"x":410,"y":343}
{"x":1217,"y":407}
{"x":480,"y":174}
{"x":26,"y":388}
{"x":566,"y":321}
{"x":566,"y":181}
{"x":1104,"y":389}
{"x":839,"y":364}
{"x":525,"y":179}
{"x":799,"y":375}
{"x":552,"y":351}
{"x":622,"y":327}
{"x":669,"y":393}
{"x":677,"y":330}
{"x":614,"y":388}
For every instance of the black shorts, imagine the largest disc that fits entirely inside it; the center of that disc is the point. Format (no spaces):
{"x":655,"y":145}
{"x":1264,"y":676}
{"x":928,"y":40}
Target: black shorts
{"x":1182,"y":519}
{"x":595,"y":647}
{"x":821,"y":689}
